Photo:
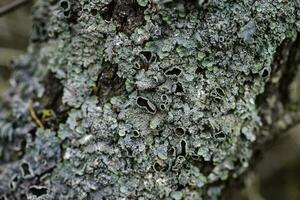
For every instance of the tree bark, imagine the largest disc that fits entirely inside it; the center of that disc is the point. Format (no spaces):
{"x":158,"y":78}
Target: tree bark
{"x":147,"y":99}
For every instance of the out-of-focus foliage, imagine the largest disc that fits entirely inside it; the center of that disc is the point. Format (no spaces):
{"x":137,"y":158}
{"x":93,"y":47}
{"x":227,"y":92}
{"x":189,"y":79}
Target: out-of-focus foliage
{"x":148,"y":100}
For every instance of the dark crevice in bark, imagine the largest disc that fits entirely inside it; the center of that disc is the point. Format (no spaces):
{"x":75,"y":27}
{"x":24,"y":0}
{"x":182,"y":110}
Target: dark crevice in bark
{"x":52,"y":102}
{"x":73,"y":16}
{"x":127,"y":14}
{"x":109,"y":84}
{"x":107,"y":11}
{"x":191,"y":5}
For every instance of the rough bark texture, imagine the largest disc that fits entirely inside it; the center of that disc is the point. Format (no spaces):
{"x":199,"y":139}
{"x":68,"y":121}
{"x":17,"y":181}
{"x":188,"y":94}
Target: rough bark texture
{"x":147,"y":99}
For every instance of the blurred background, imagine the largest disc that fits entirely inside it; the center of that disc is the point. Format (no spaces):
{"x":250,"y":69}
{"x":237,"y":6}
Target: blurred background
{"x":15,"y":26}
{"x":275,"y":177}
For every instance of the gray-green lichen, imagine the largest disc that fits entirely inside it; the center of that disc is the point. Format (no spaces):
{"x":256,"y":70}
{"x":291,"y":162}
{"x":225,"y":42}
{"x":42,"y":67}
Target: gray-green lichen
{"x":159,"y":95}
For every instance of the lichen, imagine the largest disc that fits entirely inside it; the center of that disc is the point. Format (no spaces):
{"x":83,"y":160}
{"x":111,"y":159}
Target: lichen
{"x":160,"y":97}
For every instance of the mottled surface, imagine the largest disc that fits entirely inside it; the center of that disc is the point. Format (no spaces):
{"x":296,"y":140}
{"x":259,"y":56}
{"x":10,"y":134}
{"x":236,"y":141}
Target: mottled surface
{"x":158,"y":98}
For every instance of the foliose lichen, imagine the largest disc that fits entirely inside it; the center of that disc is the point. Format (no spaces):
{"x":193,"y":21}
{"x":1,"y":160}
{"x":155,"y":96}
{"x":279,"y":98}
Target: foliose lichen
{"x":159,"y":97}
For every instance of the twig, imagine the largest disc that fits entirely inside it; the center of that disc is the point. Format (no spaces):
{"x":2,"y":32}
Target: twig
{"x":34,"y":116}
{"x":11,"y":6}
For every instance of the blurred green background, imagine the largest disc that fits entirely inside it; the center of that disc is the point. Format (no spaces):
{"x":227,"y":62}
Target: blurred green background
{"x":275,"y":177}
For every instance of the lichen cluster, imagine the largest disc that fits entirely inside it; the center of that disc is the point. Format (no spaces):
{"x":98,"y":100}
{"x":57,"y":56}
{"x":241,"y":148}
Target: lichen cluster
{"x":157,"y":97}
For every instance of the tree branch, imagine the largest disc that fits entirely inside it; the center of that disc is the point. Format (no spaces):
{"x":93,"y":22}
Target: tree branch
{"x":12,"y":6}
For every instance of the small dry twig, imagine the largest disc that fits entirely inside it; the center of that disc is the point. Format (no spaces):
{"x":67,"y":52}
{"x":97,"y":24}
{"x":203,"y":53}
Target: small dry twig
{"x":12,"y":6}
{"x":34,"y":116}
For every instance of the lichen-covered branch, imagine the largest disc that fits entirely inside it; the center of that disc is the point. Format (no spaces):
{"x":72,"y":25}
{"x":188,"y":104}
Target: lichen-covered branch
{"x":145,"y":99}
